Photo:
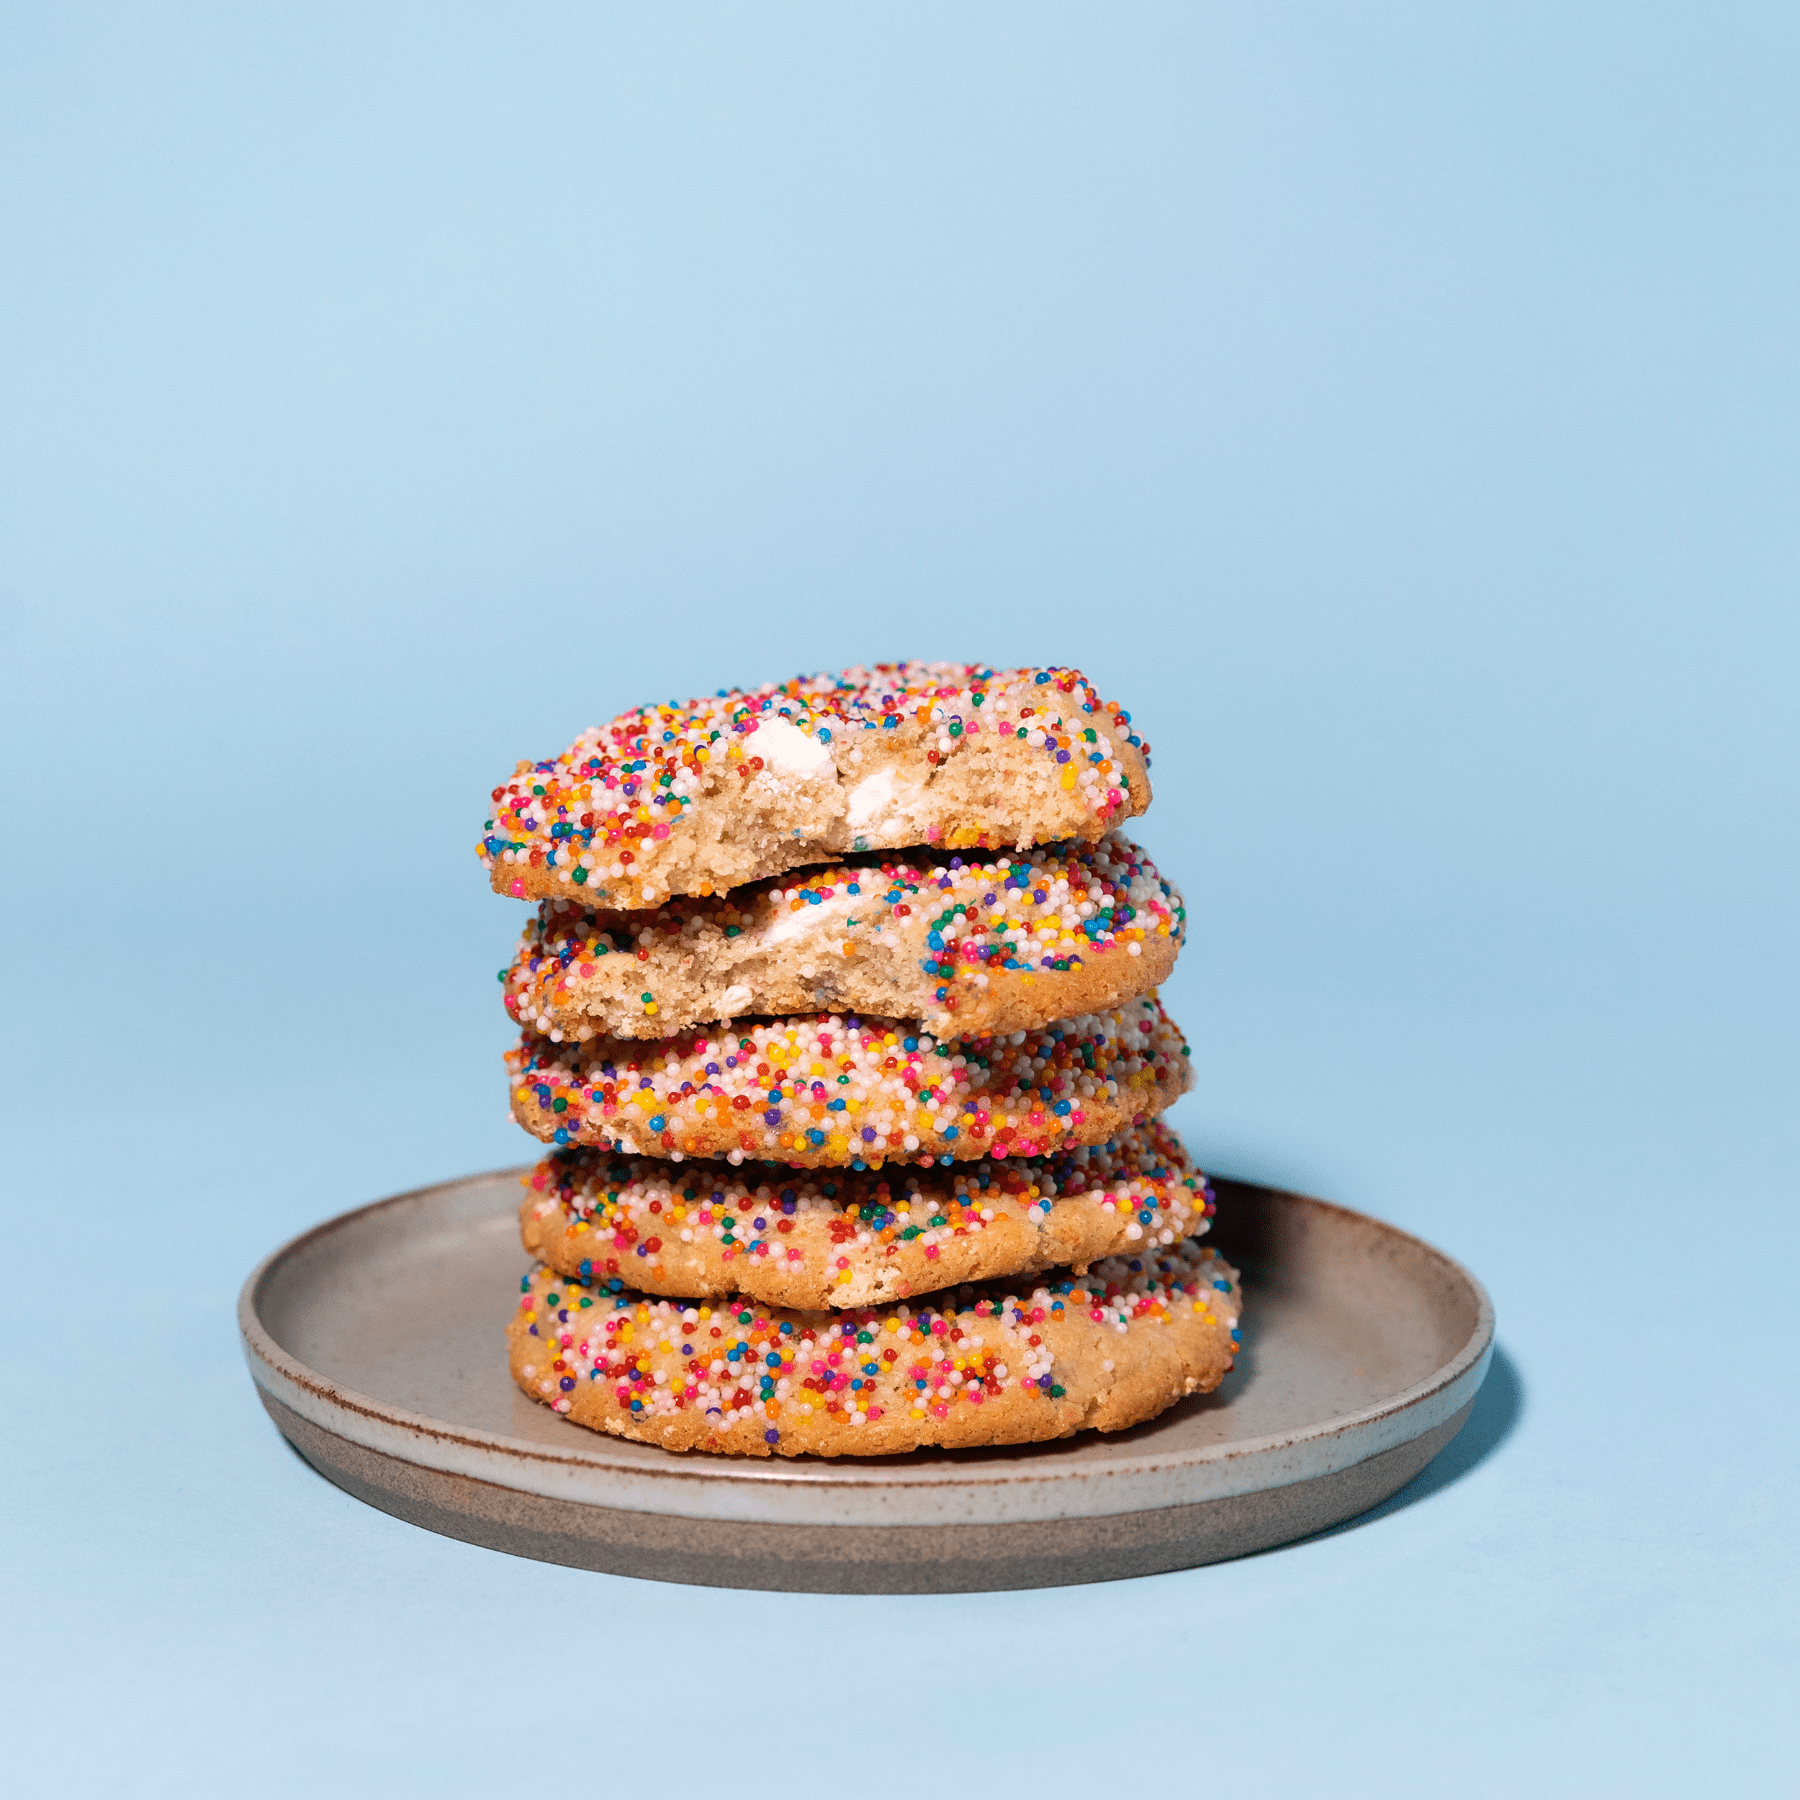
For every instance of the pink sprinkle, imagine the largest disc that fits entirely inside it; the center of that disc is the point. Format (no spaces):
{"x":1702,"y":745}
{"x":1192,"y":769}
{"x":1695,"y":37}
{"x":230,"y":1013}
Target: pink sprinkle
{"x":518,"y":890}
{"x":660,"y":831}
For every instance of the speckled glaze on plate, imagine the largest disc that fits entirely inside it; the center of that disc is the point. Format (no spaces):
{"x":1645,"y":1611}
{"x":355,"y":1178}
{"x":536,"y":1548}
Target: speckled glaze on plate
{"x":1363,"y":1352}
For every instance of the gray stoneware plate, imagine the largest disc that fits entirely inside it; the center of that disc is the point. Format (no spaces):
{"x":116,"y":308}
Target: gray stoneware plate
{"x":376,"y":1344}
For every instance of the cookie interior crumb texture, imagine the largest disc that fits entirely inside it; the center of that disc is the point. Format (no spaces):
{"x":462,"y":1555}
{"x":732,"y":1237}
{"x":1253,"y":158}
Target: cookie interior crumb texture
{"x":703,"y":795}
{"x":973,"y":1366}
{"x":996,"y":942}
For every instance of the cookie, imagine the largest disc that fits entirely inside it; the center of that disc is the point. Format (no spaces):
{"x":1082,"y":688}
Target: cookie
{"x":980,"y":1365}
{"x":703,"y":795}
{"x":840,"y":1238}
{"x":967,"y":946}
{"x":843,"y":1090}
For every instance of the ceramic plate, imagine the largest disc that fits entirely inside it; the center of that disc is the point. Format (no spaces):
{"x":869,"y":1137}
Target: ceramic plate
{"x":1363,"y":1352}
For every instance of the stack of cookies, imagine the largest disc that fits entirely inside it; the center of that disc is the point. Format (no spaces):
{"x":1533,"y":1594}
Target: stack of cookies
{"x":839,"y":1007}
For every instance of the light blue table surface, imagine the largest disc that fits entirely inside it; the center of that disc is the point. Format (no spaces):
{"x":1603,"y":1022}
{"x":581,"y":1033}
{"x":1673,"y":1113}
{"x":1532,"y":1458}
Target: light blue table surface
{"x":1394,"y":406}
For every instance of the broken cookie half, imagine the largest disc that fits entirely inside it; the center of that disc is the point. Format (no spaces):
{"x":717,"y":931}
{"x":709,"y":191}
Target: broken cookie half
{"x":969,"y":945}
{"x":703,"y":795}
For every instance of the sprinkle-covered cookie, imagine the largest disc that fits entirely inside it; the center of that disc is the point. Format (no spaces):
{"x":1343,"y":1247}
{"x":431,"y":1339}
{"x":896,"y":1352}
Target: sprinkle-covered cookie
{"x":982,"y":1365}
{"x":703,"y":795}
{"x":968,"y":946}
{"x":839,"y":1090}
{"x":844,"y":1238}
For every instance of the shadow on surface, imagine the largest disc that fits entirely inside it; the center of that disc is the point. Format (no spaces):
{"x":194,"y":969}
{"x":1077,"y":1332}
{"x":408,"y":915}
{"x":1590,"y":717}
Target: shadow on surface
{"x":1496,"y":1414}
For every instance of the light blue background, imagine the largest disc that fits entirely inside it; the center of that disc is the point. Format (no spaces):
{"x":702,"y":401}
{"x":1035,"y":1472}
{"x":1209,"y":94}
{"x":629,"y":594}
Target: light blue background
{"x":1395,"y":406}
